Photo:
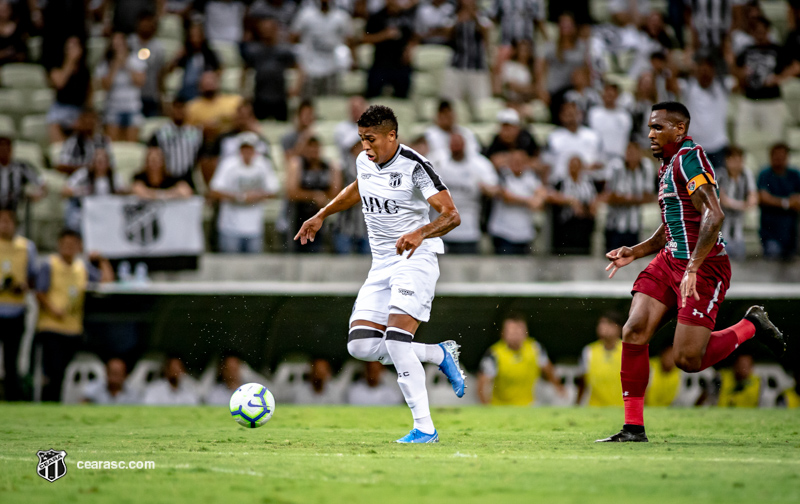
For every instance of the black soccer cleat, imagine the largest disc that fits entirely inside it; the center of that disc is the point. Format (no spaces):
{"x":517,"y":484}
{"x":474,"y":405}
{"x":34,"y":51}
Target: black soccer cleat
{"x":627,"y":435}
{"x":766,"y":332}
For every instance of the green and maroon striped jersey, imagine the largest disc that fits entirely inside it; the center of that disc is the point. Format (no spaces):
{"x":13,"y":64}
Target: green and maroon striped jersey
{"x":684,"y":169}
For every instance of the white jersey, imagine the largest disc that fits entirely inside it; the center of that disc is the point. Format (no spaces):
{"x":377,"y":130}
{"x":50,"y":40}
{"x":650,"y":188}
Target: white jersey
{"x":394,"y":199}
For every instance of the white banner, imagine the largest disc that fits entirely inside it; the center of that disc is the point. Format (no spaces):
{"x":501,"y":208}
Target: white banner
{"x":125,"y":226}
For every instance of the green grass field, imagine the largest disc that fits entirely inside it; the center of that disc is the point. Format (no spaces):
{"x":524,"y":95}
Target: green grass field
{"x":341,"y":454}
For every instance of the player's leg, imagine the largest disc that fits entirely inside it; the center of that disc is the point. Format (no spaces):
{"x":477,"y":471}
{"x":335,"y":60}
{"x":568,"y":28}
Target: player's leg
{"x":410,"y":375}
{"x":367,"y":342}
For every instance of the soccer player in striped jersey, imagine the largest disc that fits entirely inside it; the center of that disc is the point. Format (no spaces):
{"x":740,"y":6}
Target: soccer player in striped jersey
{"x":689,"y":275}
{"x":396,"y":188}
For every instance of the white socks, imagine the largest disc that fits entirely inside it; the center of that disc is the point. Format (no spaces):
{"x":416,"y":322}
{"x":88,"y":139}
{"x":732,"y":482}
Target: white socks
{"x":369,"y":344}
{"x":410,"y":376}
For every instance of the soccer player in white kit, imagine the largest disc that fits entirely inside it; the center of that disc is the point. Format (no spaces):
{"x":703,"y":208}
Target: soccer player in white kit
{"x":396,"y":187}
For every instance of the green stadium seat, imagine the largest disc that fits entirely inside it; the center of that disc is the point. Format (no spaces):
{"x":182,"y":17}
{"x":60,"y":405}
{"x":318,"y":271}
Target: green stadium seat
{"x":35,"y":48}
{"x":484,"y":131}
{"x":332,"y":154}
{"x":365,"y":54}
{"x":404,"y":109}
{"x":34,"y":128}
{"x":227,"y":52}
{"x":23,"y":76}
{"x":129,"y":158}
{"x":231,"y":81}
{"x":323,"y":130}
{"x":151,"y":124}
{"x":274,"y":131}
{"x":432,"y":58}
{"x":54,"y":151}
{"x":331,"y":108}
{"x":7,"y":126}
{"x":790,"y":90}
{"x":540,"y":132}
{"x":30,"y":152}
{"x":793,"y":138}
{"x":12,"y":101}
{"x":173,"y":82}
{"x":39,"y":101}
{"x":170,"y":26}
{"x":488,"y":109}
{"x":424,"y":85}
{"x":95,"y":50}
{"x":171,"y":47}
{"x":539,"y":110}
{"x":353,"y":83}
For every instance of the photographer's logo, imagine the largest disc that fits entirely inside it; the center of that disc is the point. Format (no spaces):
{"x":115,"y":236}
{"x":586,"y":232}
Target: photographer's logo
{"x":142,"y":224}
{"x":51,"y":464}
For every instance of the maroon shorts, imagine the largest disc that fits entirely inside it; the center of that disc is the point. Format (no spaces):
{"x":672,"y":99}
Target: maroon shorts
{"x":661,"y":280}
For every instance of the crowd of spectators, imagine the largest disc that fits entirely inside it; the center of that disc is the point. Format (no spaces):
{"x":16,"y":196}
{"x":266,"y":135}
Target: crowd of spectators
{"x":233,"y":111}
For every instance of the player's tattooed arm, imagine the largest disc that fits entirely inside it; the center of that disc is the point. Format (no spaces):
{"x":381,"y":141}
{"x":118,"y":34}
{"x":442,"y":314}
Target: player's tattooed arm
{"x":705,"y":201}
{"x":448,"y":220}
{"x":344,"y":200}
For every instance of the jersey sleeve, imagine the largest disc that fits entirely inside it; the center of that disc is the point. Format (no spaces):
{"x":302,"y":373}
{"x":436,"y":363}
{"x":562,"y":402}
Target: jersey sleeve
{"x":427,"y":180}
{"x":488,"y":365}
{"x":543,"y":358}
{"x":696,"y":170}
{"x":583,"y":362}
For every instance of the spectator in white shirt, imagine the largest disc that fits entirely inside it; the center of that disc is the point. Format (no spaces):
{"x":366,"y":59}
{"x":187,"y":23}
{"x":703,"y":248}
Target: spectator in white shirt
{"x":373,"y":390}
{"x":317,"y":390}
{"x":122,"y":75}
{"x":344,"y":131}
{"x":582,"y":93}
{"x":738,"y":195}
{"x":433,"y":17}
{"x":322,"y":32}
{"x":112,"y":390}
{"x":571,"y":140}
{"x":229,"y":378}
{"x":521,"y":193}
{"x":445,"y":125}
{"x":612,"y":124}
{"x":225,"y":20}
{"x":574,"y":208}
{"x":174,"y":389}
{"x":631,"y":184}
{"x":241,"y":185}
{"x":97,"y":179}
{"x":469,"y":177}
{"x":706,"y":96}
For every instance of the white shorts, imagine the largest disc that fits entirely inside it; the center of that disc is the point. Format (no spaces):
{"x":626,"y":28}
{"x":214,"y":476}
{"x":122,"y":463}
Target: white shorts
{"x":398,"y":285}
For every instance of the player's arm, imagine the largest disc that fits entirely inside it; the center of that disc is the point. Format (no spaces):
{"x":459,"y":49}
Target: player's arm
{"x":549,"y":373}
{"x":344,"y":200}
{"x":448,"y":220}
{"x":623,"y":256}
{"x":485,"y":388}
{"x":705,"y":201}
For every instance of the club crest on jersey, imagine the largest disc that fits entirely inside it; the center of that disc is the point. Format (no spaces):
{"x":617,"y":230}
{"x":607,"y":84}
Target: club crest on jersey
{"x":395,"y":179}
{"x":692,"y":185}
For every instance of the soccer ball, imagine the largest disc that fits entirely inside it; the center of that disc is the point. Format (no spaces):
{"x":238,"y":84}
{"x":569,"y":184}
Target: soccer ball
{"x":252,"y":405}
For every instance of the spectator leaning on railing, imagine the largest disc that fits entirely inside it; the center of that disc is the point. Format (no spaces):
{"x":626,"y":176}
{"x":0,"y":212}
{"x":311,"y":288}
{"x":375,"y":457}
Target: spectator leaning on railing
{"x":153,"y":182}
{"x":97,"y":179}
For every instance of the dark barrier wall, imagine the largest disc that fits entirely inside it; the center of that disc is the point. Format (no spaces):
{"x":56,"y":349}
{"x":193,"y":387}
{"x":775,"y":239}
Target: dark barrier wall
{"x":264,"y":330}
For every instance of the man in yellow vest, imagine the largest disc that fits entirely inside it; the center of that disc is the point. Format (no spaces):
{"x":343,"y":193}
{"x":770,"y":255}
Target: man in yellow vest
{"x":665,"y":379}
{"x":601,"y":363}
{"x":17,"y":276}
{"x":739,"y":387}
{"x":60,"y":289}
{"x":509,"y":371}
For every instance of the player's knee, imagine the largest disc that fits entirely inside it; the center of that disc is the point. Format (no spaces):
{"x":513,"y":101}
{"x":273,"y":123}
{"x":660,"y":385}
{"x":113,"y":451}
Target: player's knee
{"x":688,"y":363}
{"x":635,"y":332}
{"x":362,"y":350}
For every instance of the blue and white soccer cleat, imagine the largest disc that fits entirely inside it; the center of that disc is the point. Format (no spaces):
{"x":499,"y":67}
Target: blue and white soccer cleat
{"x":451,"y":368}
{"x":417,"y":436}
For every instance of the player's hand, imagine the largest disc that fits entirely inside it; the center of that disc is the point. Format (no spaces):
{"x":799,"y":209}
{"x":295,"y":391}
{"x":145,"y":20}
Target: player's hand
{"x":409,"y":241}
{"x":619,"y":258}
{"x":308,"y":230}
{"x":689,"y":287}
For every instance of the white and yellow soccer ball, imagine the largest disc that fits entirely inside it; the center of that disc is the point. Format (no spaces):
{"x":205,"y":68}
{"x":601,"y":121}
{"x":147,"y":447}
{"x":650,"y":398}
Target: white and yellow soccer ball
{"x":252,"y":405}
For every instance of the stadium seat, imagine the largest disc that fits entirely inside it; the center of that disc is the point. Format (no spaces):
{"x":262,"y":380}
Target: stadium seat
{"x":541,"y":131}
{"x":404,"y":109}
{"x":30,"y":152}
{"x":424,"y":85}
{"x":274,"y":131}
{"x":150,"y":125}
{"x":332,"y":154}
{"x":231,"y":81}
{"x":34,"y":128}
{"x":487,"y":110}
{"x":793,"y":138}
{"x":365,"y":54}
{"x":170,"y":26}
{"x":540,"y":112}
{"x":332,"y":108}
{"x":39,"y":101}
{"x":485,"y":132}
{"x":23,"y":76}
{"x":227,"y":52}
{"x":171,"y":48}
{"x":173,"y":82}
{"x":129,"y":158}
{"x":35,"y":48}
{"x":85,"y":369}
{"x":432,"y":58}
{"x":12,"y":101}
{"x":774,"y":381}
{"x":95,"y":50}
{"x":790,"y":89}
{"x":353,"y":83}
{"x":7,"y":126}
{"x":53,"y":152}
{"x":287,"y":377}
{"x":323,"y":130}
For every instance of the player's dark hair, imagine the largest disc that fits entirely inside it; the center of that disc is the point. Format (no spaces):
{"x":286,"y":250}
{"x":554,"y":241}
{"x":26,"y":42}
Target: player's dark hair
{"x":445,"y":105}
{"x":515,"y":316}
{"x":305,"y":104}
{"x":379,"y":116}
{"x":674,"y":107}
{"x":71,"y":233}
{"x":11,"y":212}
{"x":734,"y":150}
{"x":313,"y":140}
{"x":613,"y":316}
{"x":659,"y":55}
{"x":763,"y":21}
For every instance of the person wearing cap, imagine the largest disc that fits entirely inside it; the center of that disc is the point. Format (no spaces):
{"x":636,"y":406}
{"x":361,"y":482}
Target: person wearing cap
{"x":241,"y":184}
{"x":511,"y":136}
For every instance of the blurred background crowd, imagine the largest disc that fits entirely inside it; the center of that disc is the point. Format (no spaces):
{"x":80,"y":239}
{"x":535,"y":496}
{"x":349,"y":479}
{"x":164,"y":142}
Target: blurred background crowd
{"x":533,"y":112}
